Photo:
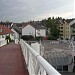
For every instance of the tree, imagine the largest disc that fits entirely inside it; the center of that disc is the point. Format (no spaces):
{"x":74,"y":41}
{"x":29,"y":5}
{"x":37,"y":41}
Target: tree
{"x":54,"y":31}
{"x":8,"y":39}
{"x":51,"y":25}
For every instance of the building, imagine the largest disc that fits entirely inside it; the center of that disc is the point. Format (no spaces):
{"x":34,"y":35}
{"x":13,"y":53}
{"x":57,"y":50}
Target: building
{"x":66,"y":30}
{"x":30,"y":29}
{"x":61,"y":60}
{"x":61,"y":56}
{"x":7,"y":24}
{"x":4,"y":32}
{"x":72,"y":29}
{"x":37,"y":30}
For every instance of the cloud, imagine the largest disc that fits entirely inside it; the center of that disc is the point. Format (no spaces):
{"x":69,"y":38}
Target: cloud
{"x":25,"y":10}
{"x":63,"y":15}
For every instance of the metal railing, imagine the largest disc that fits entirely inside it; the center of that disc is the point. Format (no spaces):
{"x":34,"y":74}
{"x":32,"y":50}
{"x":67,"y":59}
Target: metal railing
{"x":36,"y":64}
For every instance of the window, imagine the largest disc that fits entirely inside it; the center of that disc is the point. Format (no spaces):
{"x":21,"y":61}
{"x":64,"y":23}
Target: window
{"x":73,"y":31}
{"x":74,"y":60}
{"x":61,"y":24}
{"x":59,"y":68}
{"x":61,"y":27}
{"x":61,"y":34}
{"x":65,"y":68}
{"x":61,"y":31}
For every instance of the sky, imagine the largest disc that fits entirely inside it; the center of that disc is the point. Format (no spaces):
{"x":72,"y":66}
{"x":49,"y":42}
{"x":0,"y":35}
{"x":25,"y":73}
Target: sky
{"x":26,"y":10}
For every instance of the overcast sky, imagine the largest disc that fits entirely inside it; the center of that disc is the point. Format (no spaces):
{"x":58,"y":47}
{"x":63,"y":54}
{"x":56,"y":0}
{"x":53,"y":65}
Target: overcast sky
{"x":26,"y":10}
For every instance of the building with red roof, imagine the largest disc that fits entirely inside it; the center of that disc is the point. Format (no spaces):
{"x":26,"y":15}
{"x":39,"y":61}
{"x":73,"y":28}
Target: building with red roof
{"x":5,"y":31}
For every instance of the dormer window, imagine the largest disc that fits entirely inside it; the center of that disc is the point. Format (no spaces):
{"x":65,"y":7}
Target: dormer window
{"x":1,"y":30}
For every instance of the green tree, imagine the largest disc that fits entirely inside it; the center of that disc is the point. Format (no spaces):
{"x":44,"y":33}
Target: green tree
{"x":51,"y":25}
{"x":8,"y":39}
{"x":54,"y":31}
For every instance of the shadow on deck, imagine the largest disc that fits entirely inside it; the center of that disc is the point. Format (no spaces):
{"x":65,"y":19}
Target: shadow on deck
{"x":12,"y":61}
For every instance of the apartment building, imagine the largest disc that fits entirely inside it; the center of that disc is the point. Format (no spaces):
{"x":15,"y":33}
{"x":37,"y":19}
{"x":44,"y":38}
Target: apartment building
{"x":67,"y":31}
{"x":72,"y":29}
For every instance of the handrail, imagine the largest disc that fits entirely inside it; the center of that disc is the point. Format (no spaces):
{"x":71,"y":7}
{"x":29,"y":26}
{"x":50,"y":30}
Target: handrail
{"x":48,"y":68}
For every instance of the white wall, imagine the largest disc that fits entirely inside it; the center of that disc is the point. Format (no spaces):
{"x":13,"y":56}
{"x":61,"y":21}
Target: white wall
{"x":16,"y":35}
{"x":42,"y":32}
{"x":28,"y":30}
{"x":12,"y":36}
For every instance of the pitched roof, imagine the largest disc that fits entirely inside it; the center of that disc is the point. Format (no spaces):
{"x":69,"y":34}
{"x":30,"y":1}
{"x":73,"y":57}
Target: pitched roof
{"x":36,"y":26}
{"x":17,"y":29}
{"x":69,"y":20}
{"x":39,"y":27}
{"x":4,"y":30}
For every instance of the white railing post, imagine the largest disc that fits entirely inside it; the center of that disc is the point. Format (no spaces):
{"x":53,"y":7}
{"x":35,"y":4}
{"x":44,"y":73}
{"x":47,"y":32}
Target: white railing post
{"x":36,"y":64}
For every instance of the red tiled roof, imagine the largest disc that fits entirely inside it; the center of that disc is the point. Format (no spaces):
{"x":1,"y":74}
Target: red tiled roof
{"x":5,"y":30}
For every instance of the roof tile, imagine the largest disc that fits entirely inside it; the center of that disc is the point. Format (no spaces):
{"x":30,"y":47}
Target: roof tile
{"x":5,"y":30}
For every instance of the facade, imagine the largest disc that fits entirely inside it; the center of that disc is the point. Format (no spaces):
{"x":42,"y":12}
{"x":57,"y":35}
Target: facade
{"x":34,"y":30}
{"x":4,"y":31}
{"x":64,"y":29}
{"x":41,"y":32}
{"x":67,"y":28}
{"x":30,"y":29}
{"x":16,"y":35}
{"x":72,"y":29}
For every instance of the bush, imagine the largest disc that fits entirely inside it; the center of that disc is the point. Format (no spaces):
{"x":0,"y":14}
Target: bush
{"x":8,"y":39}
{"x":27,"y":37}
{"x":52,"y":38}
{"x":38,"y":38}
{"x":12,"y":40}
{"x":61,"y":38}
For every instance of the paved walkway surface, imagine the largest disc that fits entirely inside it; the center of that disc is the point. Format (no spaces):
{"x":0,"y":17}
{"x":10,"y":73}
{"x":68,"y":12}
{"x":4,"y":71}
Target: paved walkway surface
{"x":12,"y":61}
